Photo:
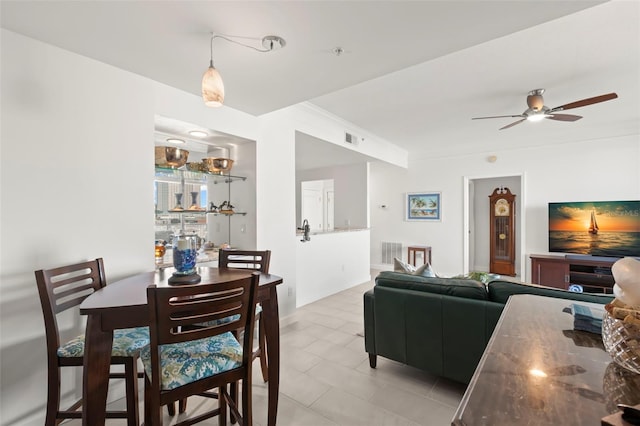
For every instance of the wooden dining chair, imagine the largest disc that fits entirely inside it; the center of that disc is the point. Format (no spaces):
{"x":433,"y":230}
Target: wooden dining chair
{"x":187,"y":358}
{"x":256,"y":260}
{"x":64,"y":288}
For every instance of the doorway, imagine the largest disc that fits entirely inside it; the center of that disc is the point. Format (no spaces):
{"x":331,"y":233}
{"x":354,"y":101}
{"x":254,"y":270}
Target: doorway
{"x":317,"y":204}
{"x":476,"y":221}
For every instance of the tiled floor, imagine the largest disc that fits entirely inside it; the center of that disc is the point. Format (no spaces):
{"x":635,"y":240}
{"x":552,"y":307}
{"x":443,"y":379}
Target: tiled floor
{"x":326,"y":379}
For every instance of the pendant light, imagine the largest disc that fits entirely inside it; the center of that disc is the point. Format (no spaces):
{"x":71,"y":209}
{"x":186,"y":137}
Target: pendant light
{"x":212,"y":85}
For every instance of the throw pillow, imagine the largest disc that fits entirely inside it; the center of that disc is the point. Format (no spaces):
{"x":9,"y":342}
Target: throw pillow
{"x":400,"y":266}
{"x":425,"y":271}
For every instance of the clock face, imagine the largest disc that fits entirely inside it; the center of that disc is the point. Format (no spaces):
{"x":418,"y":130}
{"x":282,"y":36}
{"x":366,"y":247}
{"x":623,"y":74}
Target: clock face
{"x":502,"y":207}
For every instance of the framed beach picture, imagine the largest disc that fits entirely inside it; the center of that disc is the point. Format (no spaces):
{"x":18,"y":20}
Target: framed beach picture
{"x":423,"y":206}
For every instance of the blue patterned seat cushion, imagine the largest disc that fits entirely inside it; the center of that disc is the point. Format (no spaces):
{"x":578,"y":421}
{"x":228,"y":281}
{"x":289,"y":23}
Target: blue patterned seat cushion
{"x":182,"y":363}
{"x":231,"y":318}
{"x":126,"y":342}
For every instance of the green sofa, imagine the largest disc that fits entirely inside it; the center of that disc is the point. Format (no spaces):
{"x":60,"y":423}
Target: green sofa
{"x":441,"y":325}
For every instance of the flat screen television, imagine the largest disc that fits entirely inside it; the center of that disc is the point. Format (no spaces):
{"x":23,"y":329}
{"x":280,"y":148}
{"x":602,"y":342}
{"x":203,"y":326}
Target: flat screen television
{"x":596,"y":228}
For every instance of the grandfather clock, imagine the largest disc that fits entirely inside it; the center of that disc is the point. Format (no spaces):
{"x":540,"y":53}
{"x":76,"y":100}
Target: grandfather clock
{"x":502,"y":235}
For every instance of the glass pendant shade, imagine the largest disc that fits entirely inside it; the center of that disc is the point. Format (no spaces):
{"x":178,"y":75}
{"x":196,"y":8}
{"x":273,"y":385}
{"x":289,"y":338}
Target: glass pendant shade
{"x":212,"y":88}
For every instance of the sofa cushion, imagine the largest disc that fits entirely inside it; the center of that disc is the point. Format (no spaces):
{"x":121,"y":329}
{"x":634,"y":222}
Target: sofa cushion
{"x":466,"y":288}
{"x":499,"y":291}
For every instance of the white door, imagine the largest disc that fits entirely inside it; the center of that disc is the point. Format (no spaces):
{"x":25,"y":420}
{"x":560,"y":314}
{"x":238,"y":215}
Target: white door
{"x":329,"y":210}
{"x":312,"y":208}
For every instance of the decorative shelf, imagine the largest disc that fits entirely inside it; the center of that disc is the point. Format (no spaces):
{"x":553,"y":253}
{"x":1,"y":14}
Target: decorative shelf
{"x":186,"y":188}
{"x":198,"y":212}
{"x":176,"y":175}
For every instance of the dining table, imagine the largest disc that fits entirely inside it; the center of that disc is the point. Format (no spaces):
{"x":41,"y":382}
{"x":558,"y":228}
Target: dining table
{"x":123,"y":304}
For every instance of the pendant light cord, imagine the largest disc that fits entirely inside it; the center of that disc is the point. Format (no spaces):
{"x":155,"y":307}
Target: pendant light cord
{"x":211,"y":57}
{"x":236,"y":42}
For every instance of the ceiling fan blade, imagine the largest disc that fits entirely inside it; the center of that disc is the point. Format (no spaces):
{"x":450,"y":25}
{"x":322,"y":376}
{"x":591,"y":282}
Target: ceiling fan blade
{"x":512,"y":124}
{"x":585,"y":102}
{"x":564,"y":117}
{"x":498,"y":116}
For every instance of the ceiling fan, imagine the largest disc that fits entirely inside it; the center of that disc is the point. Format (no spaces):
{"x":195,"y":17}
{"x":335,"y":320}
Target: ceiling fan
{"x":537,"y":111}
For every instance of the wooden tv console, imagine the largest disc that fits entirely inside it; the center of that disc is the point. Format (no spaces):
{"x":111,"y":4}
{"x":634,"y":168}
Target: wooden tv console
{"x":559,"y":271}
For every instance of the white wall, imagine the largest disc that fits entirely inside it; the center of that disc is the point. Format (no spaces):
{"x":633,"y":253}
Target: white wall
{"x":76,"y":175}
{"x":243,"y":197}
{"x":587,"y":170}
{"x":330,"y":263}
{"x":320,"y":124}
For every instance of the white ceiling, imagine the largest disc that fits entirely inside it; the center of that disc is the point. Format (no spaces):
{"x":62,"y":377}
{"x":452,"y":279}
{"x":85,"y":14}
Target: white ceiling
{"x":412,"y":72}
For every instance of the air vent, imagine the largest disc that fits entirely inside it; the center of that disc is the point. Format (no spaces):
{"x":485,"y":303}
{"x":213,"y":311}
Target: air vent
{"x":389,"y":251}
{"x":351,"y":138}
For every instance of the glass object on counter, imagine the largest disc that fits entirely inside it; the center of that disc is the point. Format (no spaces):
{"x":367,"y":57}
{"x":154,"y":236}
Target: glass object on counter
{"x":622,"y":341}
{"x":184,"y":253}
{"x":184,"y":259}
{"x":160,"y":250}
{"x":620,"y":386}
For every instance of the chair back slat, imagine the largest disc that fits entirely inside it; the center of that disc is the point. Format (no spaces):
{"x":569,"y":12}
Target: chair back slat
{"x":177,"y":313}
{"x":73,"y":296}
{"x":257,"y":260}
{"x":202,"y":315}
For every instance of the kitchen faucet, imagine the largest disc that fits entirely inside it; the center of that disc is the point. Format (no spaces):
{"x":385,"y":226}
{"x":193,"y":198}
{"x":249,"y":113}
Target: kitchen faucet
{"x":305,"y":228}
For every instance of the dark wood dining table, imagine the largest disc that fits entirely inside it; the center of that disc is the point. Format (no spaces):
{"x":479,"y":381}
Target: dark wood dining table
{"x":123,"y":304}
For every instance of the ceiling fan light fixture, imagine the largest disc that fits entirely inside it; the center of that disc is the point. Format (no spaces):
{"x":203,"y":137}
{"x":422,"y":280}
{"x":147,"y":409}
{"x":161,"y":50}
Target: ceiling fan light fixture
{"x":537,"y":117}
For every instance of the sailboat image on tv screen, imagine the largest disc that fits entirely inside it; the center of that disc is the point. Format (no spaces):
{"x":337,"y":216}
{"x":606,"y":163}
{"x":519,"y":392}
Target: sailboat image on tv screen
{"x":593,"y":226}
{"x":596,"y":228}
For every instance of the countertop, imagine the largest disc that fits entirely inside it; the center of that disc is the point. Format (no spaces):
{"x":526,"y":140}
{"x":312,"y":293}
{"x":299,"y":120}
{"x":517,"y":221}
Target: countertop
{"x":537,"y":369}
{"x":332,"y":231}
